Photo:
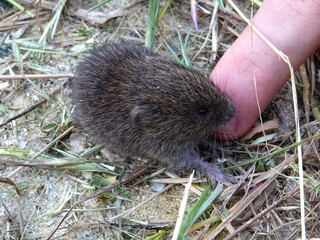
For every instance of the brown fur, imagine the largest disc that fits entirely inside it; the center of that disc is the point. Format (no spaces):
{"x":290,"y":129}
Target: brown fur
{"x":138,"y":104}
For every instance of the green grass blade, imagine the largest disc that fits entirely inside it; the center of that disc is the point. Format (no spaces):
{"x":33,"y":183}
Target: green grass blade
{"x":29,"y":44}
{"x":16,"y":51}
{"x":98,"y":5}
{"x":174,"y":55}
{"x":163,"y":10}
{"x":17,"y":5}
{"x":91,"y":150}
{"x":52,"y":25}
{"x":200,"y":206}
{"x":189,"y":218}
{"x":6,"y":110}
{"x":152,"y":24}
{"x":38,"y":89}
{"x":15,"y":153}
{"x":183,"y":46}
{"x":220,"y":2}
{"x":157,"y":236}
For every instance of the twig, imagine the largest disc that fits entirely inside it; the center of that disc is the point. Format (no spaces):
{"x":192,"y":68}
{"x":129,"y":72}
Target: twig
{"x":12,"y":219}
{"x":35,"y":76}
{"x":150,"y":225}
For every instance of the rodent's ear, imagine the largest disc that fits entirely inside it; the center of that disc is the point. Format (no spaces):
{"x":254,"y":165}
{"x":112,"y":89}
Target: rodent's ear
{"x":138,"y":113}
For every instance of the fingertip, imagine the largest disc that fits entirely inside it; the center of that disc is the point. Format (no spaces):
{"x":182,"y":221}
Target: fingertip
{"x":228,"y":131}
{"x":234,"y":129}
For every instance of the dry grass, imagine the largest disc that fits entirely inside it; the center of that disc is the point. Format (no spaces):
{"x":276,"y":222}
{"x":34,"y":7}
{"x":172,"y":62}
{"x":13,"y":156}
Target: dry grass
{"x":70,"y":188}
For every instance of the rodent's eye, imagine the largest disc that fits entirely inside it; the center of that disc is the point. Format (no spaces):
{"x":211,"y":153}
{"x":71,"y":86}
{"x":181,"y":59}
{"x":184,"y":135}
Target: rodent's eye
{"x":203,"y":111}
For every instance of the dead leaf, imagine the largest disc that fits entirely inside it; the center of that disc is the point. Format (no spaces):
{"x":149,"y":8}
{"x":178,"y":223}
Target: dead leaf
{"x":267,"y":126}
{"x":10,"y":182}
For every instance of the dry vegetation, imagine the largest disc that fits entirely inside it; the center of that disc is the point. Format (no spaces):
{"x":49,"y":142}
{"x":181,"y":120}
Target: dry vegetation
{"x":54,"y":167}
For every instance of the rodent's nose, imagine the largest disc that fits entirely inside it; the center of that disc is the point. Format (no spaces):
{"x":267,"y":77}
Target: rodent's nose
{"x":227,"y":113}
{"x":232,"y":109}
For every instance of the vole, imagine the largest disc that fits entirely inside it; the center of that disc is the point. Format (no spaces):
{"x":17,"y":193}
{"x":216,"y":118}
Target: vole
{"x":139,"y":104}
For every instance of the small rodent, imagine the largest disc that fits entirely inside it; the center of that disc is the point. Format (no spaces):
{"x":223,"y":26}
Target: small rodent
{"x":139,"y":104}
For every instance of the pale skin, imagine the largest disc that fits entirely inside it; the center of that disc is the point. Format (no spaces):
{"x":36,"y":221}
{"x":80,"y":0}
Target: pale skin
{"x":293,"y":26}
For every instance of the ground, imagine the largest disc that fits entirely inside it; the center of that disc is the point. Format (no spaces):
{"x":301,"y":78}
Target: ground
{"x":41,"y":149}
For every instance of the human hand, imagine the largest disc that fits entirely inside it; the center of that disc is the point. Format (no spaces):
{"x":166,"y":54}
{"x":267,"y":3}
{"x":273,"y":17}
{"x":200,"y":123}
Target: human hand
{"x":294,"y":28}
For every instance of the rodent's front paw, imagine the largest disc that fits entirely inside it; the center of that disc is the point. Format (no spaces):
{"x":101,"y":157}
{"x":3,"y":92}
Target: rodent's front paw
{"x":216,"y":174}
{"x":212,"y":171}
